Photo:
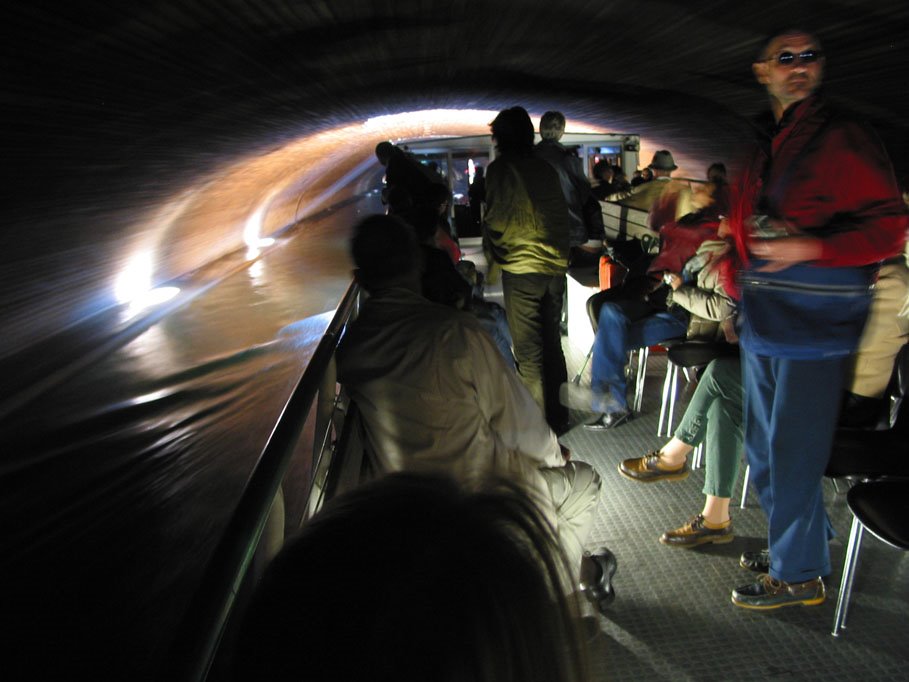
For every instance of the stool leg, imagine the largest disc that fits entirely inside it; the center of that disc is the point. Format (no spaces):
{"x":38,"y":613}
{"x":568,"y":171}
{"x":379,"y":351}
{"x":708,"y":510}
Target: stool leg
{"x":745,"y":485}
{"x":852,"y":552}
{"x":643,"y":354}
{"x":577,"y":377}
{"x":698,"y":457}
{"x":670,"y":384}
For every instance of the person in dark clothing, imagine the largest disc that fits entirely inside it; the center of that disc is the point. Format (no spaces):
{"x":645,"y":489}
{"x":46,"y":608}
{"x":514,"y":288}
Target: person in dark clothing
{"x":440,"y":280}
{"x":402,"y":170}
{"x":525,"y":236}
{"x":477,"y":195}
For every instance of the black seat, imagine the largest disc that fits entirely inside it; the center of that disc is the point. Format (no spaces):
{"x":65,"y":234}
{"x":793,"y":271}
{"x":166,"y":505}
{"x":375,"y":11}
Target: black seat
{"x":877,"y":457}
{"x":880,"y":508}
{"x":695,"y":353}
{"x":867,"y":453}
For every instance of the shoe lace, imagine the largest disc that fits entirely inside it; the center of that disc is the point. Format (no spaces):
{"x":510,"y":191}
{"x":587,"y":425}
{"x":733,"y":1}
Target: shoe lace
{"x":771,"y":584}
{"x":694,"y":524}
{"x":652,"y":457}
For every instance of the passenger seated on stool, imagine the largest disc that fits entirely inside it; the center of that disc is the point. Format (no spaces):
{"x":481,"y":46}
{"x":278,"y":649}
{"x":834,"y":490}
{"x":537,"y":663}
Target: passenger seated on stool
{"x":714,"y":413}
{"x":886,"y":331}
{"x":435,"y":396}
{"x":413,"y":578}
{"x":638,"y":315}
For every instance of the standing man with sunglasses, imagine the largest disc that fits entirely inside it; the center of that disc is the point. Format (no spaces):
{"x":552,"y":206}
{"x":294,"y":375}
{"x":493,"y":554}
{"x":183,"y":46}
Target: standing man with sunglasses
{"x":825,"y":210}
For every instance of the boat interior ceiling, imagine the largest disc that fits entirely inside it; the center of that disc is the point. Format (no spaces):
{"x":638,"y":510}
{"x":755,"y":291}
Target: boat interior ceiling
{"x":173,"y":124}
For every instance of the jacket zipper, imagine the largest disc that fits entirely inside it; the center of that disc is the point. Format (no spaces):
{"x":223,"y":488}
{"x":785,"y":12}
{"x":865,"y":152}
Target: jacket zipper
{"x":818,"y":289}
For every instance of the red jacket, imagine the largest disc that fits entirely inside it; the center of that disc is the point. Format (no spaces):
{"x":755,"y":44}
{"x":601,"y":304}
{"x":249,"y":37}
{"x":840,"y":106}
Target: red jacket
{"x":830,"y":177}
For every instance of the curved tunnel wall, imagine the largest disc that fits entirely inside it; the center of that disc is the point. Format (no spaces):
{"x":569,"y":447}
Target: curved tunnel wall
{"x":167,"y":127}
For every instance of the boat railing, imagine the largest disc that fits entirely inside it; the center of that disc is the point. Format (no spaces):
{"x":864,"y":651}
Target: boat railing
{"x":197,"y":640}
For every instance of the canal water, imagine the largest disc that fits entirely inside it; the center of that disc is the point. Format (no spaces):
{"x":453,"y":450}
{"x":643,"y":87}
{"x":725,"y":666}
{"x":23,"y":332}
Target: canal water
{"x":117,"y":479}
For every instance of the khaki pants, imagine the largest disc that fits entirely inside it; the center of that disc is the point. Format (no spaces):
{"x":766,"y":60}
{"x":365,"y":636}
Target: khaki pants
{"x":575,"y":492}
{"x":886,"y":330}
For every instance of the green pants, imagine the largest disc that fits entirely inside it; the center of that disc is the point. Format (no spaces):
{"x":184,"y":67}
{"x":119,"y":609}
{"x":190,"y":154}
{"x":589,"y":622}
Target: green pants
{"x":715,"y":413}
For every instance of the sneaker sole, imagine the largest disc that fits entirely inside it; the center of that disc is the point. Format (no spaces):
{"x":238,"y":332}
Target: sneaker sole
{"x":663,"y":477}
{"x":714,"y":540}
{"x":801,"y":602}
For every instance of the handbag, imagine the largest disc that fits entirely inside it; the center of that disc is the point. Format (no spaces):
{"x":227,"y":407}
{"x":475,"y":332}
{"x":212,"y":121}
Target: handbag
{"x":804,"y":312}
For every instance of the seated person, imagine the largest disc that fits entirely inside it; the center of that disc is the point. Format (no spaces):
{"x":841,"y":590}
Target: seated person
{"x":440,"y":280}
{"x":440,"y":197}
{"x":664,"y":198}
{"x":412,"y":578}
{"x":886,"y":331}
{"x":715,"y":413}
{"x":435,"y":396}
{"x":635,"y":315}
{"x":603,"y":174}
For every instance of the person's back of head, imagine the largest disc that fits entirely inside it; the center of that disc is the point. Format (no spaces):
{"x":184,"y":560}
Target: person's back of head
{"x":716,"y":172}
{"x":385,"y":252}
{"x":384,"y":151}
{"x":412,"y":578}
{"x":439,"y":196}
{"x":663,"y":164}
{"x":424,"y":219}
{"x":602,"y":171}
{"x":552,"y":125}
{"x":512,"y":131}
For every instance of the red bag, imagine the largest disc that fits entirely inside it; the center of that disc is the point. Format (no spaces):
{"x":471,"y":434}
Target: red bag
{"x":611,"y":273}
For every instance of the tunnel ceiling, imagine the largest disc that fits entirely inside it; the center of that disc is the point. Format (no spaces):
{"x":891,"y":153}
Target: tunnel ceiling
{"x":112,"y":107}
{"x":219,"y":75}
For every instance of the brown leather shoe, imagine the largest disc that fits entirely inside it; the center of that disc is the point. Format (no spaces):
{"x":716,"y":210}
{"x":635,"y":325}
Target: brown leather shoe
{"x":645,"y":469}
{"x":695,"y":533}
{"x":768,"y":593}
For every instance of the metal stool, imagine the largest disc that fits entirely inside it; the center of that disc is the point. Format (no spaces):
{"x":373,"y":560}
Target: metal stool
{"x":880,"y":508}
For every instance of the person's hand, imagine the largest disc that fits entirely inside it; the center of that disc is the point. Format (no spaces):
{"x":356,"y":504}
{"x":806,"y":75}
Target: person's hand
{"x":673,"y":279}
{"x":566,"y":453}
{"x":785,"y":252}
{"x":728,"y":327}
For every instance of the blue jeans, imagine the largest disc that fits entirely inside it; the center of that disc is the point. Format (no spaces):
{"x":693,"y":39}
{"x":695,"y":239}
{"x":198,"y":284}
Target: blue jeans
{"x":623,"y":326}
{"x":791,"y":410}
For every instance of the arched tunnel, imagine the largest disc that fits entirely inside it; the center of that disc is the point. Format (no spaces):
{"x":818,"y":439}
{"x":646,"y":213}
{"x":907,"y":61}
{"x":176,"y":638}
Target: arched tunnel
{"x":153,"y":145}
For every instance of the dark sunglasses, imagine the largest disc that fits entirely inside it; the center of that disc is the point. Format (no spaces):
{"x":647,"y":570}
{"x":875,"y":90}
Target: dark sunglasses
{"x":789,"y":59}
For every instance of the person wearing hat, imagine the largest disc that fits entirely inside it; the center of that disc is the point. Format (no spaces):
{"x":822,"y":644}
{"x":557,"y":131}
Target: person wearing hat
{"x":664,"y":198}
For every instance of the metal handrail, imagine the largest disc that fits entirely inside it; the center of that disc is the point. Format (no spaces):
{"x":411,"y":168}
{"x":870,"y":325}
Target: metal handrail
{"x":200,"y":633}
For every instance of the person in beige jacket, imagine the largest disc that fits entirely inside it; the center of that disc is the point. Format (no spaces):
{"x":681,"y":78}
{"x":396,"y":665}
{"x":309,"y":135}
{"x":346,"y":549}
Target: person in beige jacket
{"x":437,"y":397}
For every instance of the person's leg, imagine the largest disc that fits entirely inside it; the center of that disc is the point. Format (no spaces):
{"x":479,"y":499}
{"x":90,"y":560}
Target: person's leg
{"x":610,"y":349}
{"x":651,"y":329}
{"x":885,"y":333}
{"x":804,"y":420}
{"x":523,"y":295}
{"x":491,"y":317}
{"x":758,"y":383}
{"x":555,"y":372}
{"x":800,"y":422}
{"x":723,"y":380}
{"x":575,"y":492}
{"x":716,"y":511}
{"x":715,"y":411}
